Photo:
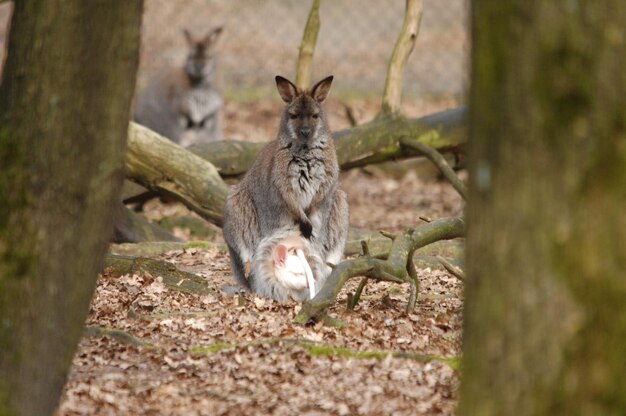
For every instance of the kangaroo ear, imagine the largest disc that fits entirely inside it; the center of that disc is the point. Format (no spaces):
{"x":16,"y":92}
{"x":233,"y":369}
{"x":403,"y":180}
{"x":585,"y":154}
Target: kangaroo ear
{"x":319,"y":91}
{"x":213,"y":36}
{"x":286,"y":89}
{"x":280,"y":255}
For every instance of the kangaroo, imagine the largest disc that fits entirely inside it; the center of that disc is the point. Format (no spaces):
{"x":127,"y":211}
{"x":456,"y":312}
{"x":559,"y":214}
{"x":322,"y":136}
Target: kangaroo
{"x":294,"y":181}
{"x":183,"y":103}
{"x":284,"y":266}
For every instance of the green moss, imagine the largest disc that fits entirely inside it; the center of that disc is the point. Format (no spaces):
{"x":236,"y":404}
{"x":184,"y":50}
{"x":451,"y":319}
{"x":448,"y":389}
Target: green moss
{"x":198,"y":244}
{"x":328,"y":351}
{"x":211,"y":349}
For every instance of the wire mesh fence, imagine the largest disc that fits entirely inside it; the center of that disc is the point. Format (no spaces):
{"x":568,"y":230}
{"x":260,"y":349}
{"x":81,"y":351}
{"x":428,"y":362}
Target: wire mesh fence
{"x":356,"y":38}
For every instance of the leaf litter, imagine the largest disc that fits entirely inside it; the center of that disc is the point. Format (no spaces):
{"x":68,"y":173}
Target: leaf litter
{"x":216,"y":355}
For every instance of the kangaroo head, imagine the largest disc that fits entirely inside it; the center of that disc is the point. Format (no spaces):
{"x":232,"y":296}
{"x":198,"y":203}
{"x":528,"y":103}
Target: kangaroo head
{"x":304,"y":118}
{"x":201,"y":61}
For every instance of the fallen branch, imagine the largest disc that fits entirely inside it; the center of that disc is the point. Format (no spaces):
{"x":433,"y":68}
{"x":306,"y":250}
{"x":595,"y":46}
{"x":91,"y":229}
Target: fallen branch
{"x":173,"y":278}
{"x":163,"y":166}
{"x":134,"y":228}
{"x":454,"y":270}
{"x":155,"y":248}
{"x":395,"y":268}
{"x":438,"y":160}
{"x":375,"y":142}
{"x":118,"y":334}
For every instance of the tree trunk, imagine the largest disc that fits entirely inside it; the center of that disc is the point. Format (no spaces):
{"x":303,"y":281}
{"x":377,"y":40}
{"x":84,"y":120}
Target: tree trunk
{"x":545,"y":321}
{"x":64,"y":109}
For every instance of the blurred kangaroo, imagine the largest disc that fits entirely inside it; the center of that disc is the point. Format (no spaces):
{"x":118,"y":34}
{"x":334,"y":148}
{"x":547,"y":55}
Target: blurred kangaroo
{"x":183,"y":104}
{"x":293,"y":181}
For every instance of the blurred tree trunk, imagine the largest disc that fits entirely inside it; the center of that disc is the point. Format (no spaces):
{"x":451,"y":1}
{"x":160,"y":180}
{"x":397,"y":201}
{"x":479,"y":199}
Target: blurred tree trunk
{"x":545,"y":321}
{"x":64,"y":110}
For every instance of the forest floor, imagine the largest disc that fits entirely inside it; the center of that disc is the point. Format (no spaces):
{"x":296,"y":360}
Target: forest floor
{"x":151,"y":350}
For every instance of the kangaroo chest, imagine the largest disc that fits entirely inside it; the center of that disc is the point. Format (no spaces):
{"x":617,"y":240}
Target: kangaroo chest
{"x":306,"y":176}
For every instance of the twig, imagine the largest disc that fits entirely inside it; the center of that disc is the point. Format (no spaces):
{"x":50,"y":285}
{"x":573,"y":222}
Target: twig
{"x":455,"y":271}
{"x":365,"y":248}
{"x":350,"y":115}
{"x":434,"y":156}
{"x":307,"y":47}
{"x":357,"y":294}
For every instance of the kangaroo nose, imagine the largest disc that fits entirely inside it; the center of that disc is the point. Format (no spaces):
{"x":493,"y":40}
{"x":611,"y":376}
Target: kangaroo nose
{"x":305,"y":132}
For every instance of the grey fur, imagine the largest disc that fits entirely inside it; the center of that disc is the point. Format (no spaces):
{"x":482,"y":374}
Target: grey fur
{"x":293,"y":182}
{"x":183,"y":104}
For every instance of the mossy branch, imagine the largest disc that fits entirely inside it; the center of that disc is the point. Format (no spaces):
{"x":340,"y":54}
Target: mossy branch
{"x":307,"y":47}
{"x":173,"y":278}
{"x":395,"y":268}
{"x":375,"y":142}
{"x":392,"y":94}
{"x":163,"y":166}
{"x":118,"y":334}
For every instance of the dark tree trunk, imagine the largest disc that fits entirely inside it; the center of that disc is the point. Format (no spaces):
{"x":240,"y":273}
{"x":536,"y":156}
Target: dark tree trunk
{"x":545,"y":318}
{"x":64,"y":109}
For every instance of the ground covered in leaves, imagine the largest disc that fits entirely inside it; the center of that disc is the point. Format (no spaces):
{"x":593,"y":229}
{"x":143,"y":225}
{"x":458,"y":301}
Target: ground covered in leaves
{"x":152,"y":350}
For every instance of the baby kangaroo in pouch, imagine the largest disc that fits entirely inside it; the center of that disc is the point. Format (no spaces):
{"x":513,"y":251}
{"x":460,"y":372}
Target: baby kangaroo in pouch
{"x":285,"y":266}
{"x":294,"y":181}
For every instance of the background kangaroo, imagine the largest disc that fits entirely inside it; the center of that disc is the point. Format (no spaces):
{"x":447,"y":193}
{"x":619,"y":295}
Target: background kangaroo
{"x":293,"y":181}
{"x":183,"y":104}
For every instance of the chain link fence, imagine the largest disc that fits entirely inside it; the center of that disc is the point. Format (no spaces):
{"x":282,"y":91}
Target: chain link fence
{"x":356,"y":38}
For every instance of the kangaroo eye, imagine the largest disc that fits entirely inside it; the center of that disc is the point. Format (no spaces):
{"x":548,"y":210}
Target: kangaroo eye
{"x":316,"y":116}
{"x":293,"y":116}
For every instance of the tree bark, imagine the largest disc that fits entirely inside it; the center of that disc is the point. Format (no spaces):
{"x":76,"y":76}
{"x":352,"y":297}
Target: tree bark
{"x":64,"y":105}
{"x":545,"y":318}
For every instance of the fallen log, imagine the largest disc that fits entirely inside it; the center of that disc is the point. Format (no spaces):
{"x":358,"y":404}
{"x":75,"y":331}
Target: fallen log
{"x":375,"y":142}
{"x":173,"y":278}
{"x":163,"y":166}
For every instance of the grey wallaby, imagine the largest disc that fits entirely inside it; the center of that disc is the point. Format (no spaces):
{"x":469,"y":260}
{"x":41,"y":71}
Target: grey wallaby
{"x":294,"y":181}
{"x":183,"y":104}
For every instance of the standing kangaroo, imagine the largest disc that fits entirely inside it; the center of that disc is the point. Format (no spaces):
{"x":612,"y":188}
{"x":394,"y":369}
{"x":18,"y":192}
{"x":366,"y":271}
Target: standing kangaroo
{"x":183,"y":104}
{"x":293,"y":181}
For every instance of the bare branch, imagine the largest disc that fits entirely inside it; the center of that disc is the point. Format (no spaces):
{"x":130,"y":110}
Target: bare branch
{"x":392,"y":94}
{"x":455,"y":271}
{"x":438,"y":160}
{"x":307,"y":47}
